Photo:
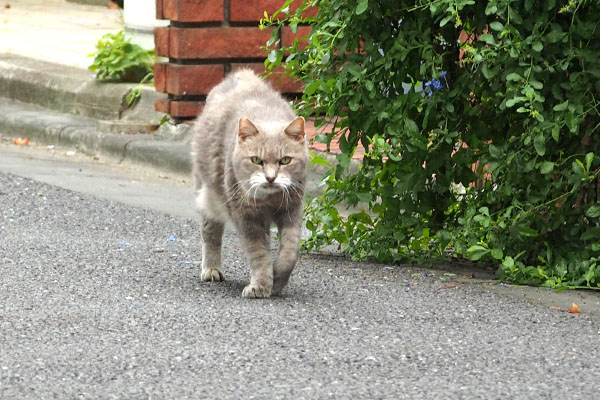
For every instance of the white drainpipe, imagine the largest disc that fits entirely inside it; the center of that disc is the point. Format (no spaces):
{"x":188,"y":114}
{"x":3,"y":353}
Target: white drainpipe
{"x":140,"y":19}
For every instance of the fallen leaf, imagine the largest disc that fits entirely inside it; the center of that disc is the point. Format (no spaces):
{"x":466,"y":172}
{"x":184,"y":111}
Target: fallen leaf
{"x":574,"y":309}
{"x":554,"y":307}
{"x":448,"y":287}
{"x":21,"y":141}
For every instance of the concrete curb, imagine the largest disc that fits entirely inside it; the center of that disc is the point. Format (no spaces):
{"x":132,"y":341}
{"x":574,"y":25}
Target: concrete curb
{"x":52,"y":128}
{"x":71,"y":90}
{"x":54,"y":104}
{"x":49,"y":127}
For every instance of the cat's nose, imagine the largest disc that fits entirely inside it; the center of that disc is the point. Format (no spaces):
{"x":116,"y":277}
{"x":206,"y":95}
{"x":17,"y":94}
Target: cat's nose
{"x":270,"y":179}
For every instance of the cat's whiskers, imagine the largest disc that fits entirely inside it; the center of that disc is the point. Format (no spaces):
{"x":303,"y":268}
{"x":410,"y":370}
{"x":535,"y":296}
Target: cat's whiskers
{"x":246,"y":197}
{"x":297,"y":187}
{"x":238,"y":187}
{"x":284,"y":197}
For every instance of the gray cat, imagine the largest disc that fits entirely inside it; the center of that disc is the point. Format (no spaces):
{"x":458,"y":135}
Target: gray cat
{"x":249,"y":153}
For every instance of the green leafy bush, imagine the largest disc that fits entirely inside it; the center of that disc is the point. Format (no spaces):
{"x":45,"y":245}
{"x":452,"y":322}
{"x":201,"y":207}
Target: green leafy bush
{"x":481,"y":123}
{"x":116,"y":58}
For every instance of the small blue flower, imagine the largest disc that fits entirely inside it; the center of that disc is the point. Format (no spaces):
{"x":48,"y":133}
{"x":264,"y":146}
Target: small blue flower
{"x":428,"y":88}
{"x":437,"y":85}
{"x":443,"y":74}
{"x":171,"y":238}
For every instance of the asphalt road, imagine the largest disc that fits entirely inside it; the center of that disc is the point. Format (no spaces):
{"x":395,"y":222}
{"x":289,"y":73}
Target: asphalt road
{"x":103,"y":299}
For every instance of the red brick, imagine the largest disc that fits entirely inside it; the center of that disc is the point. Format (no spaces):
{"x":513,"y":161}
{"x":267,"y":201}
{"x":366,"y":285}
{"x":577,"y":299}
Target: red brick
{"x":159,"y":9}
{"x":179,"y":108}
{"x":192,"y":79}
{"x":161,"y":41}
{"x":160,"y":77}
{"x":193,"y":10}
{"x":288,"y":37}
{"x":162,"y":105}
{"x":278,"y":80}
{"x":186,"y":109}
{"x":253,"y":10}
{"x":222,"y":42}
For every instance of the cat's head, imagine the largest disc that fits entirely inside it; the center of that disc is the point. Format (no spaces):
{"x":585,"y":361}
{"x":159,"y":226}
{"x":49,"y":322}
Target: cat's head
{"x":270,"y":157}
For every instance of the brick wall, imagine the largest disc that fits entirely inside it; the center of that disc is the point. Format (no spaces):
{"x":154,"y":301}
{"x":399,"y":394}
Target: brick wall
{"x":204,"y":41}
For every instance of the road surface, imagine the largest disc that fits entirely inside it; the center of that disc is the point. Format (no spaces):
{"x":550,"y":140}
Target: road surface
{"x":102,"y":298}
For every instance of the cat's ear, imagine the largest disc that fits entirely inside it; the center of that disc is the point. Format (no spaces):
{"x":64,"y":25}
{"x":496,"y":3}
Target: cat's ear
{"x":246,"y":129}
{"x":295,"y":129}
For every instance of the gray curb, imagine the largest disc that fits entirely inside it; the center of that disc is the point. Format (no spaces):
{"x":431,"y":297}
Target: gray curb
{"x":58,"y":105}
{"x":49,"y":127}
{"x":71,"y":90}
{"x":52,"y":128}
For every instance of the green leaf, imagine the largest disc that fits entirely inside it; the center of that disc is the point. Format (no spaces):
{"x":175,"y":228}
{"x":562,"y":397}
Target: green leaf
{"x":354,"y":69}
{"x":312,"y":87}
{"x":536,"y":84}
{"x":445,"y":20}
{"x":593,"y":211}
{"x":273,"y":56}
{"x":354,"y":103}
{"x":556,"y":133}
{"x":490,"y":9}
{"x":577,"y":167}
{"x":537,"y":46}
{"x":495,"y":151}
{"x":540,"y":144}
{"x":476,"y":252}
{"x":556,"y":35}
{"x":325,"y":59}
{"x":322,"y":138}
{"x":319,"y":160}
{"x":589,"y":158}
{"x":513,"y":76}
{"x":515,"y":100}
{"x":508,"y":262}
{"x":527,"y":231}
{"x":486,"y":71}
{"x":546,"y":167}
{"x":561,"y":107}
{"x":364,"y":197}
{"x":343,"y":160}
{"x":497,"y":26}
{"x":362,"y":6}
{"x":497,"y":254}
{"x":487,"y":38}
{"x":571,"y":122}
{"x":593,"y":233}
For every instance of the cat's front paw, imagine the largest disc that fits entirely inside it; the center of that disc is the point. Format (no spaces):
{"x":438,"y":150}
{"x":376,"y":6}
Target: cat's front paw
{"x":254,"y":291}
{"x":212,"y":274}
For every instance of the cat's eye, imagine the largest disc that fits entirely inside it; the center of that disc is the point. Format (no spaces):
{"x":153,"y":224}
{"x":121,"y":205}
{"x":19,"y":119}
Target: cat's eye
{"x":256,"y":160}
{"x":285,"y":160}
